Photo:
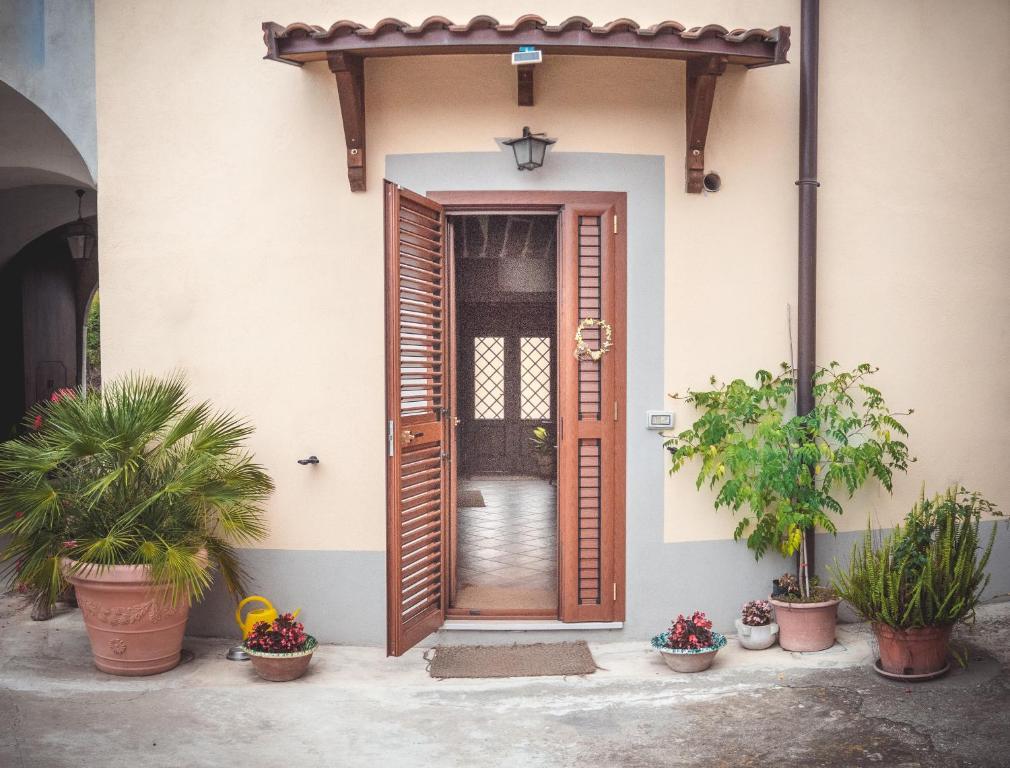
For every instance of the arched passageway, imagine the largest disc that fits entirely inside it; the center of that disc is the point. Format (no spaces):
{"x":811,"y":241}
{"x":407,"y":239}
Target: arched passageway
{"x":45,"y":294}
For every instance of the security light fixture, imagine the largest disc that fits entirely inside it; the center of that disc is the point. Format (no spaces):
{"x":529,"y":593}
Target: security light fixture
{"x":530,"y":149}
{"x":80,"y":236}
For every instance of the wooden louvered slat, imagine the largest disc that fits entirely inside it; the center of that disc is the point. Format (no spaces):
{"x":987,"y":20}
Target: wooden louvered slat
{"x":417,"y":349}
{"x":590,"y":305}
{"x":590,"y":512}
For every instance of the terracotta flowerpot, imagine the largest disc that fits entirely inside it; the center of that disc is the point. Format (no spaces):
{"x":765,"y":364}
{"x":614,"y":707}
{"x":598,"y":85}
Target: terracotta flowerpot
{"x":806,"y":627}
{"x":282,"y":667}
{"x":756,"y":638}
{"x":913,"y":652}
{"x":688,"y":661}
{"x":133,"y":627}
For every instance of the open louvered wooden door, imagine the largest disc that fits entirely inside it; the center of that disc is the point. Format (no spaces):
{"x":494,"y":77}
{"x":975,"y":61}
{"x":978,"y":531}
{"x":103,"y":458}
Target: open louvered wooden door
{"x":417,"y":405}
{"x":591,"y":448}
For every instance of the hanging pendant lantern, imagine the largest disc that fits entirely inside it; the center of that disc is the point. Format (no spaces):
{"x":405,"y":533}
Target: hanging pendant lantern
{"x":530,"y":149}
{"x":80,"y":235}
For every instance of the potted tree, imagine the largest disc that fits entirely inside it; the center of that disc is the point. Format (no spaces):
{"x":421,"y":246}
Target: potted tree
{"x":755,"y":629}
{"x":920,"y":580}
{"x":136,"y":498}
{"x":280,"y":651}
{"x":784,"y":471}
{"x":543,"y":447}
{"x":689,"y":645}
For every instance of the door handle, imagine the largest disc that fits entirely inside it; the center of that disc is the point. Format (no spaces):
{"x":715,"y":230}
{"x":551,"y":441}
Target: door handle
{"x":407,"y":437}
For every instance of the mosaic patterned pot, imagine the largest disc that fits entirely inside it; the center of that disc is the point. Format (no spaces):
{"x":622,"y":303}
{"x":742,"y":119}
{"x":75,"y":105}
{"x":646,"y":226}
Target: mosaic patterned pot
{"x":688,"y":660}
{"x":282,"y":667}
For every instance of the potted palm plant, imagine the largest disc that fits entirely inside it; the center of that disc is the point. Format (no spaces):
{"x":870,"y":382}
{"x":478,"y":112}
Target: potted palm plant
{"x":918,"y":581}
{"x":689,"y":645}
{"x":783,"y":472}
{"x":136,"y":498}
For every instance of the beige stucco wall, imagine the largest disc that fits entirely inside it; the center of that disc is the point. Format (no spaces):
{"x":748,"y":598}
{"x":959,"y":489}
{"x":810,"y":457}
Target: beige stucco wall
{"x":233,"y":250}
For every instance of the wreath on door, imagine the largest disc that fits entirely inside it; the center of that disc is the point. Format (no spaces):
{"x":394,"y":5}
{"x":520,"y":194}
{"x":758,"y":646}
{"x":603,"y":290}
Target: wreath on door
{"x":582,"y":350}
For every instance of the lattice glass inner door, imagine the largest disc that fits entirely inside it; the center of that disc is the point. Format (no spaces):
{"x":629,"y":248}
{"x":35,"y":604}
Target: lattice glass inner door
{"x":535,"y":377}
{"x":489,"y":377}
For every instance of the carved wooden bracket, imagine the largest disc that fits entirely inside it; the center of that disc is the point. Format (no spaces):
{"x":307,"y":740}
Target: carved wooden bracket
{"x":701,"y":78}
{"x":524,"y":73}
{"x":349,"y":70}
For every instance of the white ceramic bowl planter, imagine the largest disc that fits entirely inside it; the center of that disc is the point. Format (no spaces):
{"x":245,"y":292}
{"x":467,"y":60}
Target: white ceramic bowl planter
{"x":757,"y":638}
{"x":688,"y":659}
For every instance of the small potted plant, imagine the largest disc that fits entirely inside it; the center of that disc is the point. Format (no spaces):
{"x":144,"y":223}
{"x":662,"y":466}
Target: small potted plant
{"x":920,"y":580}
{"x":281,"y":650}
{"x":543,"y":447}
{"x":689,"y":645}
{"x":755,"y":628}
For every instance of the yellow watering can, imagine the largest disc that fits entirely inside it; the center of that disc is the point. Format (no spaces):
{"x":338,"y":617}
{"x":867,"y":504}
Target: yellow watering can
{"x":254,"y":617}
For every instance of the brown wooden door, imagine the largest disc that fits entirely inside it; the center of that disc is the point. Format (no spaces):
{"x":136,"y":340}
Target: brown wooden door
{"x":505,"y":385}
{"x":418,"y":485}
{"x":591,"y":433}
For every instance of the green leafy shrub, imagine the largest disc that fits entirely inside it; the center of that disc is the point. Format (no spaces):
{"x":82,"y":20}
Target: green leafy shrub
{"x":929,"y":572}
{"x":129,"y":475}
{"x":786,"y":470}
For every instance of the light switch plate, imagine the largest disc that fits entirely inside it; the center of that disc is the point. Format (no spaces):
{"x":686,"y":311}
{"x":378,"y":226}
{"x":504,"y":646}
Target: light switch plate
{"x":659,"y":420}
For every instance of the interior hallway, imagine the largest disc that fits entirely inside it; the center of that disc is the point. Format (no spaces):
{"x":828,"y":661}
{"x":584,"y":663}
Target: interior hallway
{"x":508,"y":547}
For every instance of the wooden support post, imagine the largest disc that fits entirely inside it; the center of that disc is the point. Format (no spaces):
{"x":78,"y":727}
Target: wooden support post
{"x":524,"y":73}
{"x":701,"y":78}
{"x":350,"y":73}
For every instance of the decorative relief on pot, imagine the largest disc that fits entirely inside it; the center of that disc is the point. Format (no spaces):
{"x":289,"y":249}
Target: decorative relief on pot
{"x":127,"y":614}
{"x":117,"y":646}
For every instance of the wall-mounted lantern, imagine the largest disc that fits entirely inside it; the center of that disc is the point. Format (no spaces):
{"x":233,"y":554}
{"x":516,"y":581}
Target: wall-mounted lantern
{"x":80,"y":236}
{"x":530,"y":149}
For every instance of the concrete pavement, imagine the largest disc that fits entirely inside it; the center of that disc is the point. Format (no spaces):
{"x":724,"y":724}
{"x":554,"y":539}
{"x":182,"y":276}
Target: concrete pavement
{"x":357,"y":708}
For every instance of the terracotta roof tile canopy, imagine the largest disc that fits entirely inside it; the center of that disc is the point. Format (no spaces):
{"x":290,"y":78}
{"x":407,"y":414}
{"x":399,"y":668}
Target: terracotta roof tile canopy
{"x":344,"y":45}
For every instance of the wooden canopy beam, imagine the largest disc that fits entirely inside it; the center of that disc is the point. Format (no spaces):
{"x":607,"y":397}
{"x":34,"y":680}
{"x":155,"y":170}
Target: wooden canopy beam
{"x":349,"y":70}
{"x":345,"y":45}
{"x":702,"y":75}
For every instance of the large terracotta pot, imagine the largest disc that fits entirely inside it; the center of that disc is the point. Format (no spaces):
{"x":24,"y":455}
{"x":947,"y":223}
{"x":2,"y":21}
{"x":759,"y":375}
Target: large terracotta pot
{"x":915,"y":652}
{"x":133,"y":627}
{"x":806,"y":627}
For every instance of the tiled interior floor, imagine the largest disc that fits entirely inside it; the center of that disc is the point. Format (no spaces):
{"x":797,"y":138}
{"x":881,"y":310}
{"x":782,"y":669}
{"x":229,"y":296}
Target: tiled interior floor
{"x":508,"y":548}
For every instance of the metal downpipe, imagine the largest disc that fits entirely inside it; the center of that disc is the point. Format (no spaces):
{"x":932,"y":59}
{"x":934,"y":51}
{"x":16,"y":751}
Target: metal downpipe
{"x":807,"y":185}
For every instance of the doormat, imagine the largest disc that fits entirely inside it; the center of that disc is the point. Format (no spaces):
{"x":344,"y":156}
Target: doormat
{"x":470,"y":497}
{"x":535,"y":660}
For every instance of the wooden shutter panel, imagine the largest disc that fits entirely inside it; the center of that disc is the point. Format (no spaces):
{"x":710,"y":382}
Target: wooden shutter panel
{"x":417,"y":384}
{"x":591,"y":446}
